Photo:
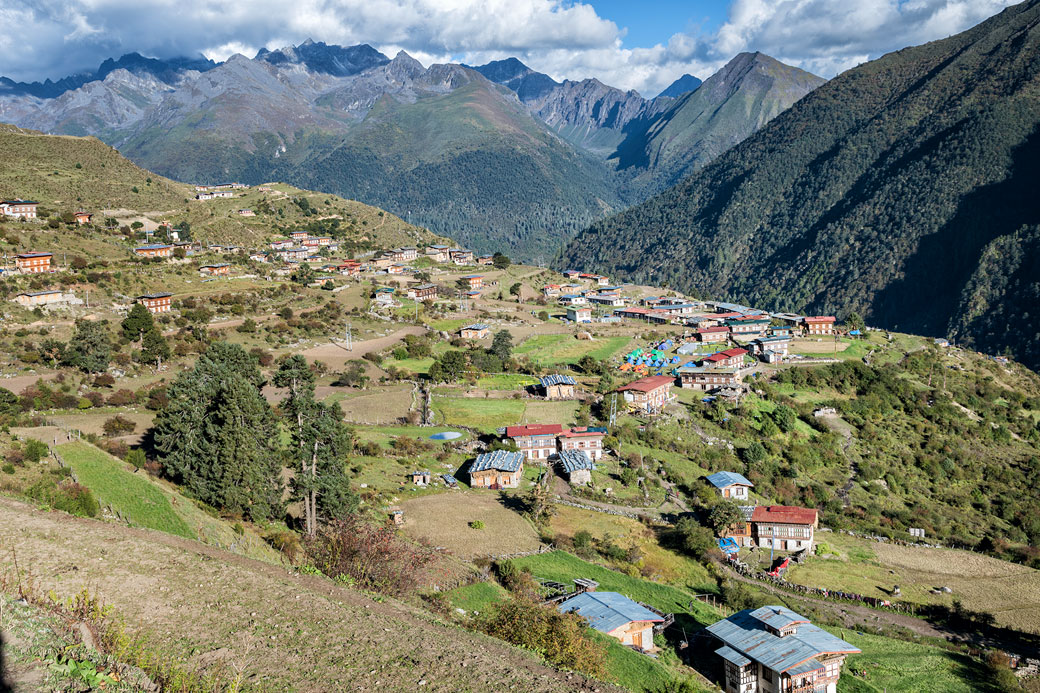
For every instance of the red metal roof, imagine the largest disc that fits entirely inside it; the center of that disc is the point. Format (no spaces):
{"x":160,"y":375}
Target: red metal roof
{"x":819,"y":318}
{"x":717,"y":328}
{"x":728,"y":353}
{"x":648,"y":384}
{"x":784,"y":514}
{"x":534,"y":430}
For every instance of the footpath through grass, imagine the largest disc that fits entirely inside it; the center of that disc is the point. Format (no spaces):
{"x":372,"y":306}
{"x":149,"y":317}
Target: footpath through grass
{"x":131,"y":495}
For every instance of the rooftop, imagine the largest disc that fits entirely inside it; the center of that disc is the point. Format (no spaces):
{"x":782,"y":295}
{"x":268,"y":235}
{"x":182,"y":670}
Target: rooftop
{"x":557,"y":379}
{"x":476,"y":326}
{"x":28,"y":255}
{"x":573,"y":460}
{"x":648,"y":384}
{"x":746,"y":633}
{"x":724,"y":479}
{"x":784,"y":514}
{"x":584,"y":432}
{"x":607,"y":611}
{"x":502,"y":460}
{"x":533,"y":430}
{"x":156,"y":295}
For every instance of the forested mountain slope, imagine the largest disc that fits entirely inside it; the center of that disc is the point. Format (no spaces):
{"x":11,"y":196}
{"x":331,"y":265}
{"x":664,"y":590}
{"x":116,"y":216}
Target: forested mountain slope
{"x":903,"y":189}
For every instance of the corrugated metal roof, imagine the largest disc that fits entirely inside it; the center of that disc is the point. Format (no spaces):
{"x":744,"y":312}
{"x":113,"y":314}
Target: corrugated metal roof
{"x":607,"y":611}
{"x":533,"y":430}
{"x":573,"y":460}
{"x":747,"y":634}
{"x":785,"y":514}
{"x":557,"y":379}
{"x":476,"y":326}
{"x":502,"y":460}
{"x":731,"y":655}
{"x":723,"y":479}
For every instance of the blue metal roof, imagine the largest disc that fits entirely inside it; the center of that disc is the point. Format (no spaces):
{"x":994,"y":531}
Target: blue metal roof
{"x":746,"y":633}
{"x":724,"y":479}
{"x":476,"y":326}
{"x":502,"y":460}
{"x":731,"y":655}
{"x":557,"y":379}
{"x":573,"y":460}
{"x":607,"y":611}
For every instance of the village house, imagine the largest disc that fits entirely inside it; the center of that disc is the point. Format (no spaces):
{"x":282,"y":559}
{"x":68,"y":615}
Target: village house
{"x":771,"y":349}
{"x":708,"y":379}
{"x":535,"y":441}
{"x":730,"y":358}
{"x":396,"y":269}
{"x":551,"y":290}
{"x":572,"y":300}
{"x":783,"y":527}
{"x":748,"y":326}
{"x":486,"y":259}
{"x":258,"y":257}
{"x":730,"y":485}
{"x":380,"y":263}
{"x":818,"y":325}
{"x":676,"y":308}
{"x":583,"y":438}
{"x":35,"y":299}
{"x":498,"y":469}
{"x":462,"y":257}
{"x":644,"y":315}
{"x":83,"y":218}
{"x":617,"y":616}
{"x":648,"y":394}
{"x":317,"y":242}
{"x":423,"y":292}
{"x":385,"y":295}
{"x":781,"y":331}
{"x":712,"y":335}
{"x":557,"y":386}
{"x":571,"y":274}
{"x":298,"y":235}
{"x":214,"y":194}
{"x":602,"y":281}
{"x":33,"y":263}
{"x":477,"y":330}
{"x":773,"y":649}
{"x":607,"y":299}
{"x":20,"y":209}
{"x":157,"y":302}
{"x":437,"y":253}
{"x":154,"y":250}
{"x":576,"y":466}
{"x":579,"y":315}
{"x":246,"y":213}
{"x":294,"y":253}
{"x":282,"y":244}
{"x":474,"y":281}
{"x":215,"y":270}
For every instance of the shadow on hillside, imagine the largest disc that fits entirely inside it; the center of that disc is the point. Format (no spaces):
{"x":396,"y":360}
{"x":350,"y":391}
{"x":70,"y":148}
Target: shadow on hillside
{"x":5,"y":686}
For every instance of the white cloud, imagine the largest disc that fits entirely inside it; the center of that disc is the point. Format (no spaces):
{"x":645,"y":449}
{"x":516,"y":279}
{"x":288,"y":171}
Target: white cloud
{"x":563,"y":38}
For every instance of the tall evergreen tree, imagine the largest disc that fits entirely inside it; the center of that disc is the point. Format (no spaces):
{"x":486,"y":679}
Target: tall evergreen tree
{"x":320,"y":443}
{"x":137,"y":322}
{"x":154,"y":347}
{"x":90,"y":348}
{"x":218,"y":437}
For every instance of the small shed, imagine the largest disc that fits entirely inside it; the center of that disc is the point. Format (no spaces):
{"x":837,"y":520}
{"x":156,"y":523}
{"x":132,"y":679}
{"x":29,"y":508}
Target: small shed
{"x":558,"y":386}
{"x":420,"y":478}
{"x":617,"y":616}
{"x":475,"y":331}
{"x":576,"y":466}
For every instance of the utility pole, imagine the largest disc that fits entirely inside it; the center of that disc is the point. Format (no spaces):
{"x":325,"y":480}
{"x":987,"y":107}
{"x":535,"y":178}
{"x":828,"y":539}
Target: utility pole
{"x":350,"y":342}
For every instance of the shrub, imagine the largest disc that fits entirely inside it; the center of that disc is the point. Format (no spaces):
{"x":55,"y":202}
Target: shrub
{"x":560,"y":638}
{"x":374,"y":557}
{"x":118,"y":425}
{"x":136,"y":457}
{"x":8,"y":468}
{"x":285,"y":541}
{"x":35,"y":450}
{"x":476,"y":524}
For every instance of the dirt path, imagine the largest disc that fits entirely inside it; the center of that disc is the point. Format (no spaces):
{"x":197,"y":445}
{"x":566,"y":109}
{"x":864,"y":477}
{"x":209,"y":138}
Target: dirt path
{"x":283,"y":631}
{"x":19,"y":382}
{"x":838,"y":425}
{"x":335,"y":356}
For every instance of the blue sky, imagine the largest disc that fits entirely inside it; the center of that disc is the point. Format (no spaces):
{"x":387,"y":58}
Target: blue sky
{"x":632,"y":45}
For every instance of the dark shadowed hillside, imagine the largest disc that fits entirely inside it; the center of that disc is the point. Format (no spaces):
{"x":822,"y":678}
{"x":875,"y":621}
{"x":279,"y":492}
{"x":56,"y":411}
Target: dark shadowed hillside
{"x":902,"y":189}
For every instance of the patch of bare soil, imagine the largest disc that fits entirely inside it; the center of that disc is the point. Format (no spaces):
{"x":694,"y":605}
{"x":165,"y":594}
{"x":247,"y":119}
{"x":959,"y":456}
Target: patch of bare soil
{"x":283,"y":631}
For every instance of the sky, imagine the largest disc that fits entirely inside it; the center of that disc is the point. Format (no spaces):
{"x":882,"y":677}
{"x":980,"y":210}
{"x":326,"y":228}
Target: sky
{"x":627,"y":44}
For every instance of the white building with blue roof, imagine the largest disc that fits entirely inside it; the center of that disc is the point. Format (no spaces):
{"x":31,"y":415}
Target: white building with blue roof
{"x":617,"y":616}
{"x":773,"y":649}
{"x":730,"y":485}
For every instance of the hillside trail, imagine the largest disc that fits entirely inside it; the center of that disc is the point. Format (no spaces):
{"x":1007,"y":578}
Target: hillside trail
{"x":838,"y":425}
{"x":281,"y":630}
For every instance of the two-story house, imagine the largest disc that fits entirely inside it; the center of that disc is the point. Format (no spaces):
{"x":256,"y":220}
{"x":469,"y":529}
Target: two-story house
{"x":535,"y":441}
{"x":648,"y":394}
{"x":784,"y":527}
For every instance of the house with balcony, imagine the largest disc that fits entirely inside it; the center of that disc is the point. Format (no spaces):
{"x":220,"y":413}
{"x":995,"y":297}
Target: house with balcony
{"x":773,"y":649}
{"x":586,"y":439}
{"x":498,"y":469}
{"x":535,"y":441}
{"x":784,"y":527}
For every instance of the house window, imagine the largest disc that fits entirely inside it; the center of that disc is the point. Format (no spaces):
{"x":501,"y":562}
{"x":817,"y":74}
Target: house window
{"x":767,"y":674}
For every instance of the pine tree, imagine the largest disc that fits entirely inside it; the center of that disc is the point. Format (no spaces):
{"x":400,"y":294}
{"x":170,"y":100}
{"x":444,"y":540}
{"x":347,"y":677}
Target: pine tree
{"x":320,"y":442}
{"x":154,"y":347}
{"x":90,"y":348}
{"x":218,"y":437}
{"x":137,"y":322}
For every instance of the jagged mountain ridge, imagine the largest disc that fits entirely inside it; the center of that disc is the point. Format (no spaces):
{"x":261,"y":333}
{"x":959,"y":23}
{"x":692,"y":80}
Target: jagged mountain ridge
{"x":351,"y":121}
{"x":901,"y":189}
{"x":683,"y":85}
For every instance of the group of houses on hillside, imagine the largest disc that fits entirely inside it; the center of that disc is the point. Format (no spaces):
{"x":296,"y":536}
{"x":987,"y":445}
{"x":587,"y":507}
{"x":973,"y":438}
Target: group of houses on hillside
{"x":778,"y":527}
